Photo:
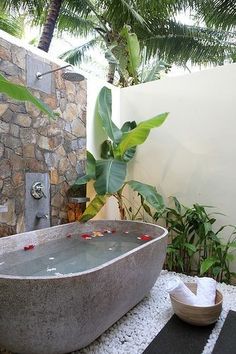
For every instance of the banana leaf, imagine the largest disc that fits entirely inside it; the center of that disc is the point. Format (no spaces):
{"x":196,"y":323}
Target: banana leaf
{"x":133,"y":52}
{"x":149,"y":194}
{"x":21,"y":93}
{"x":126,"y":127}
{"x":104,"y":112}
{"x":138,"y":135}
{"x":107,"y":150}
{"x":90,"y":170}
{"x":110,"y":176}
{"x":94,"y":207}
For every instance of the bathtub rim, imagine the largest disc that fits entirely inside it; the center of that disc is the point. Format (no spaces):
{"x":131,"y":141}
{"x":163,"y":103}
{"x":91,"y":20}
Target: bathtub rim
{"x":94,"y":269}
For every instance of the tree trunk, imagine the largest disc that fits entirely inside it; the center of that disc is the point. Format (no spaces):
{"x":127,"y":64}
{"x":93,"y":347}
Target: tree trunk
{"x":111,"y":73}
{"x":49,"y":26}
{"x":120,"y":205}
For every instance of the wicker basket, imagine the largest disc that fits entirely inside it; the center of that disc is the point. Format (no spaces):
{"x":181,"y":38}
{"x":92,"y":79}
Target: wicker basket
{"x":197,"y":315}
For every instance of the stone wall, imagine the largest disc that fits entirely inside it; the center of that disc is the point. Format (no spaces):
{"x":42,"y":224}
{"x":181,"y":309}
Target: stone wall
{"x":31,"y":142}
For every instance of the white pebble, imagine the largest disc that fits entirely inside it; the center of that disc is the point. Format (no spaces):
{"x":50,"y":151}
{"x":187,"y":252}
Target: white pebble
{"x":51,"y":269}
{"x":134,"y":331}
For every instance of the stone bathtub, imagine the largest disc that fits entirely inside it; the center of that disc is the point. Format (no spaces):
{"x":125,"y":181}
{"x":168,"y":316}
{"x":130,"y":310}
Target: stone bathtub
{"x":57,"y":314}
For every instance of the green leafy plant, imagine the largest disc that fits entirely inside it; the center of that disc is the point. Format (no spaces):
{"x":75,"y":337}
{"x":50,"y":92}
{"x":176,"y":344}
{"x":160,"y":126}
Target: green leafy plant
{"x":131,"y":61}
{"x":194,"y":246}
{"x":109,"y":172}
{"x":21,"y":93}
{"x":155,"y":25}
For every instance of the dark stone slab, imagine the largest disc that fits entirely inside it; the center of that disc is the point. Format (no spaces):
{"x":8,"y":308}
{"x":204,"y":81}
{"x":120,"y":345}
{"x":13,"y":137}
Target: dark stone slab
{"x":226,"y":342}
{"x":178,"y":337}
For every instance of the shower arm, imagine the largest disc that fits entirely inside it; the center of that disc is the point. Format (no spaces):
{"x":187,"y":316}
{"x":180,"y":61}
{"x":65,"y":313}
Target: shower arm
{"x":39,"y":75}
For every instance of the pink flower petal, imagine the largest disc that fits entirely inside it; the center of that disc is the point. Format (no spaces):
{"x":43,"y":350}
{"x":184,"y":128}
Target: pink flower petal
{"x":29,"y":247}
{"x":145,"y":237}
{"x":86,"y":236}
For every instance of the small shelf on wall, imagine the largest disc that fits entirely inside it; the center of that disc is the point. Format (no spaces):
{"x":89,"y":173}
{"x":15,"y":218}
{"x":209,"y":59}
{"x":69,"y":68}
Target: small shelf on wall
{"x":79,"y":200}
{"x":76,"y":207}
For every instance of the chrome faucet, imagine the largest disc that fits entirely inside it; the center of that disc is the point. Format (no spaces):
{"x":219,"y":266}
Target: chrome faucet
{"x":41,"y":215}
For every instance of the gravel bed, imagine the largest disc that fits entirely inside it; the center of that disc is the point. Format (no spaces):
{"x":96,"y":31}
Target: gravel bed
{"x":134,"y":331}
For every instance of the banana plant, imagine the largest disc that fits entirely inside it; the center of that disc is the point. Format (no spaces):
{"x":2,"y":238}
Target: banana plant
{"x":109,"y":172}
{"x":21,"y":93}
{"x":132,"y":62}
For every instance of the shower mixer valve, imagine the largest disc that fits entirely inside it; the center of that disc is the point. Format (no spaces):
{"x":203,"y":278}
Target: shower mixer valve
{"x":37,"y":190}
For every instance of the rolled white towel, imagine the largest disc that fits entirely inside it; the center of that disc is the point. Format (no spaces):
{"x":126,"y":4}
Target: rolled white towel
{"x":206,"y":291}
{"x":181,"y":292}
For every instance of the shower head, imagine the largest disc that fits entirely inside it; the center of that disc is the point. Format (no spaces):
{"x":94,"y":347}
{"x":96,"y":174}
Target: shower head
{"x":71,"y":75}
{"x":68,"y":74}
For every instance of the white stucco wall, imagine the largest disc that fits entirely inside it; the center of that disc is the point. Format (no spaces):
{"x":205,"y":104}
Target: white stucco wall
{"x":192,"y":156}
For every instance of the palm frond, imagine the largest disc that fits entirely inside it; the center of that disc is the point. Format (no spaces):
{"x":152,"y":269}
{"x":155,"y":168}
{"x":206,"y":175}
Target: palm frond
{"x":76,"y":55}
{"x":163,"y":9}
{"x":82,"y":8}
{"x":31,"y":7}
{"x":12,"y":25}
{"x":127,"y":10}
{"x":218,"y":13}
{"x":75,"y":24}
{"x":153,"y":21}
{"x":179,"y":43}
{"x":150,"y":69}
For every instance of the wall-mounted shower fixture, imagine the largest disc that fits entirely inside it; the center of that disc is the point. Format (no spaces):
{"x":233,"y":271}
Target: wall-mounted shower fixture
{"x":38,"y":74}
{"x":68,"y":74}
{"x":38,"y":190}
{"x":37,"y":201}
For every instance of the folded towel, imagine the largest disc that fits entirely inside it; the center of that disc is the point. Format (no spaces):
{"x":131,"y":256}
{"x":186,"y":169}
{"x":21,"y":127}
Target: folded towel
{"x":181,"y":292}
{"x":206,"y":292}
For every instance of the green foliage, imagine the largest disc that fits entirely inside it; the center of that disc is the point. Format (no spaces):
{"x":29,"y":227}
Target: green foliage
{"x":133,"y":64}
{"x":110,"y":176}
{"x":194,"y":246}
{"x":151,"y":69}
{"x":94,"y":207}
{"x":124,"y":52}
{"x":78,"y":54}
{"x":104,"y":111}
{"x":153,"y":22}
{"x":109,"y":172}
{"x":13,"y":25}
{"x":149,"y":194}
{"x":133,"y":49}
{"x":21,"y":93}
{"x":147,"y":33}
{"x":139,"y":134}
{"x":218,"y":13}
